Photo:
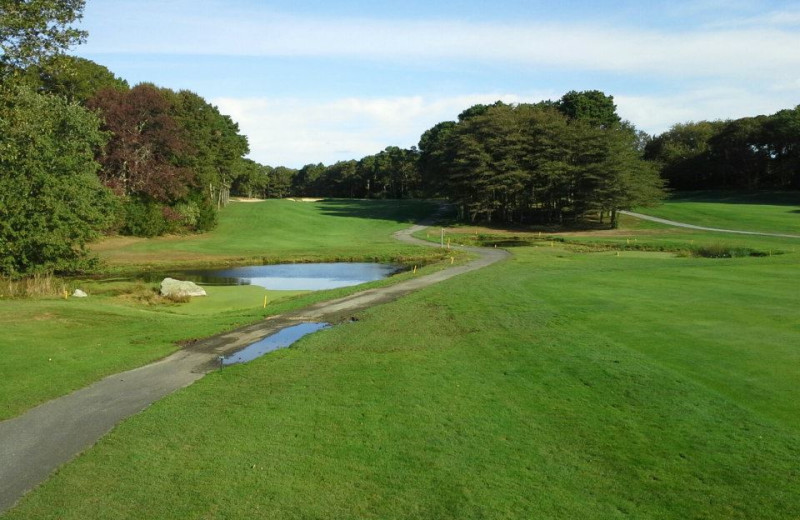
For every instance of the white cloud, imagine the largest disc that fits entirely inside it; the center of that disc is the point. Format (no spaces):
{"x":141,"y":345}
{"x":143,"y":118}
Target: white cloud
{"x":655,"y":114}
{"x":293,"y":132}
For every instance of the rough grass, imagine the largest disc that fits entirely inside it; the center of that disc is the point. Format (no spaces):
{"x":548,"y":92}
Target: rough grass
{"x":556,"y":385}
{"x":33,"y":286}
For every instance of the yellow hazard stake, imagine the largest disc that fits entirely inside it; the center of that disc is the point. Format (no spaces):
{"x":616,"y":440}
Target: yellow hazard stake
{"x":65,"y":294}
{"x":415,"y":269}
{"x":265,"y":301}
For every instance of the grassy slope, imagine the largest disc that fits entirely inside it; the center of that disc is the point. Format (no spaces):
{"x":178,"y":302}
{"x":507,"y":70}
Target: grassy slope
{"x":758,"y":211}
{"x":51,"y":346}
{"x":275,"y":230}
{"x":555,"y":385}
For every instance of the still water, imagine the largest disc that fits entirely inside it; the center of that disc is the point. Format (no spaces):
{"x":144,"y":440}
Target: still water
{"x":293,"y":277}
{"x":281,"y":339}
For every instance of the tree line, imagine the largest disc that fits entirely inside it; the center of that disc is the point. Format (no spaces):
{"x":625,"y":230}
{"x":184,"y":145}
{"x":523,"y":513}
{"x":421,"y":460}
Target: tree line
{"x":761,"y":152}
{"x":571,"y":161}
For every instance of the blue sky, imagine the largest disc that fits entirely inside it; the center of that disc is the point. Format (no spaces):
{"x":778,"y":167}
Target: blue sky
{"x":321,"y":81}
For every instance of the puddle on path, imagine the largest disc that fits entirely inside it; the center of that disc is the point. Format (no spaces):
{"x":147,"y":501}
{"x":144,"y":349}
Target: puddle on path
{"x":281,"y":339}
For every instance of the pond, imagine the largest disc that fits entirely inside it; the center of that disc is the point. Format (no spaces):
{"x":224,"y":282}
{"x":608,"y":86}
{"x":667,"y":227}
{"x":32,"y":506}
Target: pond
{"x":292,"y":277}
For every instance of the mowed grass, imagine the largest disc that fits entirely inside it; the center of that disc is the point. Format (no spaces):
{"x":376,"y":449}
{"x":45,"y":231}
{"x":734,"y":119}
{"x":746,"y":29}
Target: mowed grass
{"x":770,"y":212}
{"x":281,"y":230}
{"x":52,"y":346}
{"x":558,"y":384}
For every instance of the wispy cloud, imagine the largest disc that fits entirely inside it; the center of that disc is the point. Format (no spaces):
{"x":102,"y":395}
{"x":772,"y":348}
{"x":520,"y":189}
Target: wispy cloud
{"x":710,"y":59}
{"x":737,"y":52}
{"x":782,"y":19}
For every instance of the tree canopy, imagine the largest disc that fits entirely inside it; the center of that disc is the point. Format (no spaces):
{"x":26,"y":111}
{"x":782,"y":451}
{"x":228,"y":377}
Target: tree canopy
{"x":77,"y":79}
{"x":34,"y":30}
{"x":533,"y":163}
{"x":748,"y":153}
{"x":51,"y":200}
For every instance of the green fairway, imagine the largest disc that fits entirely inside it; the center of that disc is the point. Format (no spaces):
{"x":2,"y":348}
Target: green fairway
{"x":281,"y":230}
{"x":767,"y":212}
{"x":599,"y":375}
{"x":555,"y":385}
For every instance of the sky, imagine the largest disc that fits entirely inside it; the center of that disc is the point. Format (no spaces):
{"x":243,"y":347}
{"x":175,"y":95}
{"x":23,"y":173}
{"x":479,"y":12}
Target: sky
{"x":329,"y":80}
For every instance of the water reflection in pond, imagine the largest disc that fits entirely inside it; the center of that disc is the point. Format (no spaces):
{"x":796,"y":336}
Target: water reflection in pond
{"x":280,"y":339}
{"x":293,"y":277}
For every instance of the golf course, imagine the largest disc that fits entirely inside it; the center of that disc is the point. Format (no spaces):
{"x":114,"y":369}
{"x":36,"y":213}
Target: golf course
{"x":644,"y":372}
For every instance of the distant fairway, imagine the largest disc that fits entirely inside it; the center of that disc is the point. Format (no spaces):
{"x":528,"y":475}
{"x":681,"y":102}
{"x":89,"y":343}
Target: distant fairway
{"x":564,"y":383}
{"x":274,"y":230}
{"x":767,"y":212}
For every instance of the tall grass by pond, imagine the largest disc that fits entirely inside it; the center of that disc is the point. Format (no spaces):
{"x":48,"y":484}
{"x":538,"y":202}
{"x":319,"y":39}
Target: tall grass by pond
{"x":37,"y":285}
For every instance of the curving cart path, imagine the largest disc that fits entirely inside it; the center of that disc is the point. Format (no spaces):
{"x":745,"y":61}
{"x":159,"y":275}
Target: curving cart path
{"x":703,"y":228}
{"x":36,"y":443}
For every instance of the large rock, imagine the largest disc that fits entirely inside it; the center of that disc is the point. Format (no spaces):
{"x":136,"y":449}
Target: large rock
{"x":79,"y":294}
{"x":173,"y":287}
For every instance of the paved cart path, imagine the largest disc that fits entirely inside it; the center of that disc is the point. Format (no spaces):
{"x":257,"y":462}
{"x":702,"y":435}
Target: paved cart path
{"x":703,"y":228}
{"x":34,"y":444}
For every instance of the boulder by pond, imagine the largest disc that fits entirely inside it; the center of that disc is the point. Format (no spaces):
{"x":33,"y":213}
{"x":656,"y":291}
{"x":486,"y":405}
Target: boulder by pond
{"x":171,"y":287}
{"x":79,"y":294}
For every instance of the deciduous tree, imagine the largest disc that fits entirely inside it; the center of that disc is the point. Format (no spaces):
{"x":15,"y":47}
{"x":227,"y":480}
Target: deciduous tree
{"x":34,"y":30}
{"x":51,"y":201}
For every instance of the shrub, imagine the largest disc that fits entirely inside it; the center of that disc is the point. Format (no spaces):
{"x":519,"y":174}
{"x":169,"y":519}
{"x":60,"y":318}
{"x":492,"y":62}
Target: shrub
{"x":143,"y":219}
{"x":725,"y":251}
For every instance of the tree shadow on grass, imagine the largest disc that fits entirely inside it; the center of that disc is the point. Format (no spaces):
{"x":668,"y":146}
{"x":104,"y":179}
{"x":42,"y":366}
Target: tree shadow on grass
{"x":405,"y":210}
{"x":770,"y":197}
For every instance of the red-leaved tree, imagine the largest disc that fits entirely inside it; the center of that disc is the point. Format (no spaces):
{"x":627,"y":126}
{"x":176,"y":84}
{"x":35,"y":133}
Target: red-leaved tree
{"x":140,"y":158}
